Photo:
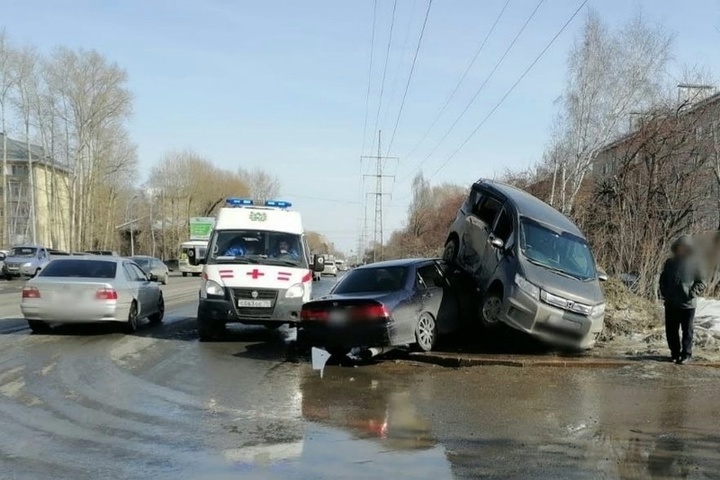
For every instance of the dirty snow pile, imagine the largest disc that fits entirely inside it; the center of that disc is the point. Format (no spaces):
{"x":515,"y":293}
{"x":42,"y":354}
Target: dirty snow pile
{"x":635,"y":326}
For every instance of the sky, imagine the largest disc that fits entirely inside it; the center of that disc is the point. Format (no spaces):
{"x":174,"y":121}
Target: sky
{"x":283,"y":85}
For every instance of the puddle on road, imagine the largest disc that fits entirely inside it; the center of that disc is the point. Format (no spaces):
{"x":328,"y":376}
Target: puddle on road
{"x":352,"y":424}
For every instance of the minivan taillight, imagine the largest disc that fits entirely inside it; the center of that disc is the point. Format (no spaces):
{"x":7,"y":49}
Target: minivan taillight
{"x":30,"y":292}
{"x":106,"y":294}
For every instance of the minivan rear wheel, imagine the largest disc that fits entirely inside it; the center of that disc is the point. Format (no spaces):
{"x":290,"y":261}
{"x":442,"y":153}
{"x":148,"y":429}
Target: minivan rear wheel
{"x":451,"y":250}
{"x":490,"y":309}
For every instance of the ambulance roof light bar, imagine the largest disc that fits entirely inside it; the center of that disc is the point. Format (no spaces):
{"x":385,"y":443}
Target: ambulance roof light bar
{"x":278,"y":204}
{"x":238,"y":202}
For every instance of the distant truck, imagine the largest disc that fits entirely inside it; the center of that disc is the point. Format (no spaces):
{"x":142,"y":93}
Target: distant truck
{"x":27,"y":260}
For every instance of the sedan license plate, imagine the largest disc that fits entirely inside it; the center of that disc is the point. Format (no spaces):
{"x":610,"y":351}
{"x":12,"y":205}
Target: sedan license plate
{"x":255,"y":303}
{"x":338,"y":316}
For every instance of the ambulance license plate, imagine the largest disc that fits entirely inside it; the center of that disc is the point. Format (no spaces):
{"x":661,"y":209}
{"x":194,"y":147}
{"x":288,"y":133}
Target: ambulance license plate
{"x":255,"y":303}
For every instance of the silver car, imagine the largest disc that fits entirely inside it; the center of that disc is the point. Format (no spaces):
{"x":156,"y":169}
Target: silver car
{"x":533,"y":267}
{"x":154,"y":266}
{"x":92,"y":289}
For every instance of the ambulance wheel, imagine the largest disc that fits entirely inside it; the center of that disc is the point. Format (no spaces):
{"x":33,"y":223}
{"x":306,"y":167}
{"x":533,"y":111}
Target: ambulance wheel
{"x":184,"y":274}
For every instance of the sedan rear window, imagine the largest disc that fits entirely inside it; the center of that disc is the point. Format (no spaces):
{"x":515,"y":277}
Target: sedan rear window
{"x":80,"y":268}
{"x":379,"y":279}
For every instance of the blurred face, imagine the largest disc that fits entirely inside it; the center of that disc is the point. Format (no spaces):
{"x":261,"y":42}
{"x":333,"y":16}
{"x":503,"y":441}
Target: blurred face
{"x":284,"y":247}
{"x":682,"y":251}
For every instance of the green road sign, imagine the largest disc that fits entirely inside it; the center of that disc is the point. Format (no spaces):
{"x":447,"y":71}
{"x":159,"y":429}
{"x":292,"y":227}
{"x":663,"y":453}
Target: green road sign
{"x":201,"y":228}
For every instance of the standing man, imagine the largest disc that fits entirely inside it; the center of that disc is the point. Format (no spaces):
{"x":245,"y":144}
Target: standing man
{"x":681,"y":282}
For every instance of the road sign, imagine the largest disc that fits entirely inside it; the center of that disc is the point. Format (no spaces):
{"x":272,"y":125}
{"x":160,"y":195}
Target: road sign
{"x":201,"y":228}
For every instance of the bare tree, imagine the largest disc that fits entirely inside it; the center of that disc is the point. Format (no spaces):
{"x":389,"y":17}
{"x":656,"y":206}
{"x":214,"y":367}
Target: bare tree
{"x":8,"y":79}
{"x":262,"y":184}
{"x":610,"y":76}
{"x":27,"y":87}
{"x":92,"y":102}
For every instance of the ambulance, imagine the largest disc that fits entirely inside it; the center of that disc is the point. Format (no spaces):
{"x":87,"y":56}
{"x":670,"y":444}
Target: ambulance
{"x":257,"y":269}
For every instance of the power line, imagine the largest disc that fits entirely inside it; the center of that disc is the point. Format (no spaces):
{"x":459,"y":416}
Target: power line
{"x":482,"y":86}
{"x":367,"y":96}
{"x":387,"y":57}
{"x":412,"y":69}
{"x":459,"y":83}
{"x":510,"y":90}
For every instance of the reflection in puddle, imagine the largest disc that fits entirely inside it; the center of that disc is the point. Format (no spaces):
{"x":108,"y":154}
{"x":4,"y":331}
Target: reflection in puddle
{"x":349,"y":424}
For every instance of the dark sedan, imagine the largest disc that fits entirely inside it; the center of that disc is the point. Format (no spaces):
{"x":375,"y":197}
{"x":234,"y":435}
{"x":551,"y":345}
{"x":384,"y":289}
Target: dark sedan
{"x":400,"y":302}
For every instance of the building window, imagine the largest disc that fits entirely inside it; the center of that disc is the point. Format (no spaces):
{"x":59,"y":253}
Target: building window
{"x":19,"y":170}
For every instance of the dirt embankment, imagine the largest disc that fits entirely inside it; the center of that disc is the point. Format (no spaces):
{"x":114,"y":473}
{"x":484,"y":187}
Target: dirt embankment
{"x":635,"y":326}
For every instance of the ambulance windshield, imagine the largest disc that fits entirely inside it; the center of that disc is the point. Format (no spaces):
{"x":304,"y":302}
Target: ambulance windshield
{"x":257,"y":246}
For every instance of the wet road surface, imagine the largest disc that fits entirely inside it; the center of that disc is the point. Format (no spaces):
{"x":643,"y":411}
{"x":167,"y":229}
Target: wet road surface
{"x":89,"y":403}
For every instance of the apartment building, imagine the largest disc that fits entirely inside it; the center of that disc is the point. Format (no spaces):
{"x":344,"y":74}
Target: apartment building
{"x":48,"y":193}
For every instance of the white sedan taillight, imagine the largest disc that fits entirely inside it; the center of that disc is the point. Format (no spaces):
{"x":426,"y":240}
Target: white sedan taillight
{"x":30,"y":292}
{"x":106,"y":294}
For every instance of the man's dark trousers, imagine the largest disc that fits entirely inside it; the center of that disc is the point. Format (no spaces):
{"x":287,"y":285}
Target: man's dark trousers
{"x":676,"y":319}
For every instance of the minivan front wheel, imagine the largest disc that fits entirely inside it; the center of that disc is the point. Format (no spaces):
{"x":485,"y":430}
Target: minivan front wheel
{"x":451,"y":250}
{"x":491,"y":309}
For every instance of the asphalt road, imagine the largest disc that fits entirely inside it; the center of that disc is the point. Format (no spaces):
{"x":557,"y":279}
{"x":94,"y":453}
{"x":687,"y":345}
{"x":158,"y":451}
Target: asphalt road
{"x":89,"y":403}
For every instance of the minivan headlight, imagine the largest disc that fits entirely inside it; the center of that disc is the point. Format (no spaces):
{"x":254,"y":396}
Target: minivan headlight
{"x":526,"y":286}
{"x":297,"y":290}
{"x":27,"y":264}
{"x":211,"y":288}
{"x":598,"y":309}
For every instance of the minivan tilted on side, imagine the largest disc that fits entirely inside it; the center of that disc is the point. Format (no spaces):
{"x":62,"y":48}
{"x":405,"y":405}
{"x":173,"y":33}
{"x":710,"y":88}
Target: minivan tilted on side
{"x":533,"y":267}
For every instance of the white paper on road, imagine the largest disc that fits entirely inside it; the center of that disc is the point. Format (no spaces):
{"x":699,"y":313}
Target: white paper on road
{"x":319,"y":359}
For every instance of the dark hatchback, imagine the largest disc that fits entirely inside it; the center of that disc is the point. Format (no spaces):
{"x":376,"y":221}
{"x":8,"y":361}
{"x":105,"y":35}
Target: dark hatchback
{"x":393,"y":303}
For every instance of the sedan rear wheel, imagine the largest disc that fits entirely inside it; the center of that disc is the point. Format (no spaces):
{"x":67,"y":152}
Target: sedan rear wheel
{"x":157,"y":317}
{"x":132,"y":321}
{"x":425,"y":332}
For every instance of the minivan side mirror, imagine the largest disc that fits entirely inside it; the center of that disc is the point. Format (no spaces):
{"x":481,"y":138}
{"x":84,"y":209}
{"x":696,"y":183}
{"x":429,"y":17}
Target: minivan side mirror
{"x":497,"y":243}
{"x":602,"y":275}
{"x":318,"y":263}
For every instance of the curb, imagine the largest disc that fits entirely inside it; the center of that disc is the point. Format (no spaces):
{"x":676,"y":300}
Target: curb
{"x":460,"y":361}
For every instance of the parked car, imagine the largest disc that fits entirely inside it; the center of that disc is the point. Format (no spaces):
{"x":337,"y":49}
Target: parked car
{"x":533,"y":267}
{"x":25,"y":261}
{"x":91,"y":289}
{"x":154,"y":266}
{"x":341,"y":265}
{"x":399,"y":302}
{"x":3,"y":255}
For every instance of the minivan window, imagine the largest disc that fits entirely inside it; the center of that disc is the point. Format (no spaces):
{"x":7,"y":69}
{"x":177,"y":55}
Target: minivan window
{"x":504,"y":227}
{"x":563,"y":252}
{"x":487,"y":209}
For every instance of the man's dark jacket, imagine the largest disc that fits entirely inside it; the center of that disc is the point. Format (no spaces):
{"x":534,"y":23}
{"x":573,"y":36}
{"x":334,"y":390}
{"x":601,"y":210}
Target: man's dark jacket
{"x":682,"y":280}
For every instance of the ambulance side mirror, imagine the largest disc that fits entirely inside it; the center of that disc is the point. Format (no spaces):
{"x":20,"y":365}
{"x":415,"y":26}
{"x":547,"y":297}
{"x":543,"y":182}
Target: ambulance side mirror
{"x":318,"y":263}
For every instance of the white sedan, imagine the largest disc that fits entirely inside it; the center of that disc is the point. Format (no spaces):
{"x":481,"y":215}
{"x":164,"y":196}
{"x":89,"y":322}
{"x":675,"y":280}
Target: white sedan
{"x":92,"y":289}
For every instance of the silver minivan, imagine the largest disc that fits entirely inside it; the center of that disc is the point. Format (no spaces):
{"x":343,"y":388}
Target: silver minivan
{"x":534,"y":269}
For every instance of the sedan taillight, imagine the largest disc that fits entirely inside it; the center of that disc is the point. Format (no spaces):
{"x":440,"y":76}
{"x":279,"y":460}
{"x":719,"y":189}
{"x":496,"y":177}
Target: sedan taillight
{"x":106,"y":294}
{"x":371,"y":312}
{"x":313,"y":315}
{"x":30,"y":292}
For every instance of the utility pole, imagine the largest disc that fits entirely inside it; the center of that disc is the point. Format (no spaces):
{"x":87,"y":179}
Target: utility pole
{"x":378,"y":194}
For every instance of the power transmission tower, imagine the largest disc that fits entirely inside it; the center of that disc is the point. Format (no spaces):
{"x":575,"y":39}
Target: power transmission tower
{"x":378,"y":194}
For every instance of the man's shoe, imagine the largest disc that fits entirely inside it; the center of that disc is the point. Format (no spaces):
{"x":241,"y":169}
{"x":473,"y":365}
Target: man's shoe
{"x":684,"y":360}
